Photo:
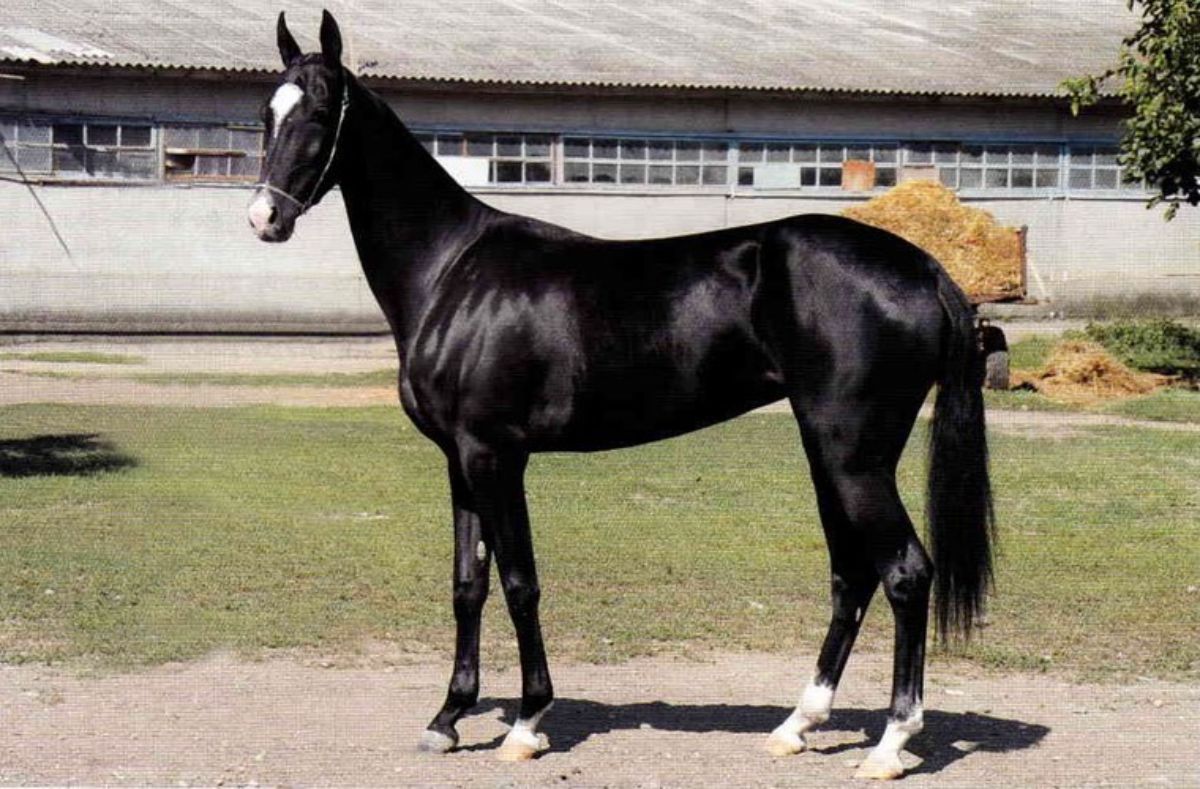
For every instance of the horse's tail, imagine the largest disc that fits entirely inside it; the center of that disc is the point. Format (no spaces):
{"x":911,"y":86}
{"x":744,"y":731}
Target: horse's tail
{"x":959,"y":511}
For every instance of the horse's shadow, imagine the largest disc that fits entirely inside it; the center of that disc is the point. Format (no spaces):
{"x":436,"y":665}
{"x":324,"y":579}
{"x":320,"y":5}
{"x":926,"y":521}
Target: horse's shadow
{"x":70,"y":454}
{"x":947,"y":737}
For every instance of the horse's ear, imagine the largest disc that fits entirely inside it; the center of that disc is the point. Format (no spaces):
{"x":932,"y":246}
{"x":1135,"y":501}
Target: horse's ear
{"x":289,"y":50}
{"x":331,"y":40}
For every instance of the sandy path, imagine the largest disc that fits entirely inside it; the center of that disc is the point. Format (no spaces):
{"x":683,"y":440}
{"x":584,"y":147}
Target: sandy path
{"x":112,"y":385}
{"x":20,"y":388}
{"x":210,"y":354}
{"x":651,"y":722}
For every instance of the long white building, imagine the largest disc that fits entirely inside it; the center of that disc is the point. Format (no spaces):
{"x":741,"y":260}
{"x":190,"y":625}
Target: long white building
{"x":135,"y":124}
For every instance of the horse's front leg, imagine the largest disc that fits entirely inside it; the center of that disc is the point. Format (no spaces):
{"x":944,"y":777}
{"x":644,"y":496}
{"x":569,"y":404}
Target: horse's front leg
{"x":495,"y":479}
{"x":472,"y":562}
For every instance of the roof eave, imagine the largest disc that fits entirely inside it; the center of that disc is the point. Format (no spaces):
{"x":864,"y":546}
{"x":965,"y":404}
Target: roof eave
{"x":18,"y":68}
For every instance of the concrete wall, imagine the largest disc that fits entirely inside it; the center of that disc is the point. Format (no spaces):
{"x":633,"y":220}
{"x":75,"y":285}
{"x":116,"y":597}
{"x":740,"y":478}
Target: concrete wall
{"x":171,"y":257}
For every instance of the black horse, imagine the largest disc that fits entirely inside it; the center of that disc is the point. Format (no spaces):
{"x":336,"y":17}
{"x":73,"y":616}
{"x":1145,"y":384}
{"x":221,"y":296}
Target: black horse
{"x":516,"y":336}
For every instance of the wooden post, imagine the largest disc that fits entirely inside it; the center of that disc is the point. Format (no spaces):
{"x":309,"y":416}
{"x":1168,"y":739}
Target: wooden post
{"x":1023,"y":241}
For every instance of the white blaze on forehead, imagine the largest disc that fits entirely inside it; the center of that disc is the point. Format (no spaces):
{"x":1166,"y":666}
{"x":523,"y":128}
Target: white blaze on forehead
{"x":284,"y":101}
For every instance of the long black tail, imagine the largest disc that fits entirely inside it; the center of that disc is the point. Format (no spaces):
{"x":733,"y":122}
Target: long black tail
{"x":959,"y":509}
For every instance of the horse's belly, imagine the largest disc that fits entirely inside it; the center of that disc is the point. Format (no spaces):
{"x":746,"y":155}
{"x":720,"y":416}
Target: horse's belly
{"x":638,"y":410}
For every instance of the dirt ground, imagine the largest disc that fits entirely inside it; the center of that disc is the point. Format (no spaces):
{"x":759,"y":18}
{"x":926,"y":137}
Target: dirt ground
{"x":663,"y":721}
{"x":353,"y":720}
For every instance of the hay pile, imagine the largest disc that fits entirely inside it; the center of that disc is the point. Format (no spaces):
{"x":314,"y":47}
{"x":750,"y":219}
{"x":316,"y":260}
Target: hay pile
{"x":983,"y":257}
{"x":1080,"y":371}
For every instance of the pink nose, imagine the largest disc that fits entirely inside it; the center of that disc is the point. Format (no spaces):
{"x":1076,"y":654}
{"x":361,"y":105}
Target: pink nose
{"x":262,"y":213}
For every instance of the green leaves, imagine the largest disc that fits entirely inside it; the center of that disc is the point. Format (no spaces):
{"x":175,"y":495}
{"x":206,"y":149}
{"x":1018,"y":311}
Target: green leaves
{"x":1158,"y":68}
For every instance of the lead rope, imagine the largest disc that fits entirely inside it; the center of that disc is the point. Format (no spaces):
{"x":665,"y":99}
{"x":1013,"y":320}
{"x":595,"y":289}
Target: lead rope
{"x":337,"y":135}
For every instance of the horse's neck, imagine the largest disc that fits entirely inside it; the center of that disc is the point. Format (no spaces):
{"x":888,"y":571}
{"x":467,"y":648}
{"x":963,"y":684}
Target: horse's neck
{"x":409,"y":218}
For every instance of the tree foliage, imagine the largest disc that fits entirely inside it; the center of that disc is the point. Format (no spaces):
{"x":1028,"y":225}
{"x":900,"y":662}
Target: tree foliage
{"x":1158,"y":69}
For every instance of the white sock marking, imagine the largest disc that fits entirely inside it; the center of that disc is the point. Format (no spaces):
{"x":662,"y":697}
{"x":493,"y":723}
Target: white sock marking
{"x":525,"y":732}
{"x":283,"y":102}
{"x":895,"y":737}
{"x":811,"y":712}
{"x":817,"y":701}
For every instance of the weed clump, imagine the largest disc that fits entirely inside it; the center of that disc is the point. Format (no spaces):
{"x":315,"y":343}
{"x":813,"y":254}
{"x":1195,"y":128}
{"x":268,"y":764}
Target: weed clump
{"x":1157,"y":345}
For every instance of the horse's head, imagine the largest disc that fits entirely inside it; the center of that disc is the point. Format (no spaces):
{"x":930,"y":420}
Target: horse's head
{"x":304,"y":119}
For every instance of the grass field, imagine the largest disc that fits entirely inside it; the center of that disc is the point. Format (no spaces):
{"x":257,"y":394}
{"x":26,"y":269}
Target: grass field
{"x":140,"y":535}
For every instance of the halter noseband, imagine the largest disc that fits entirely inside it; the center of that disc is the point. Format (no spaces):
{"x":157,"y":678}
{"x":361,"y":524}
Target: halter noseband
{"x":307,"y":204}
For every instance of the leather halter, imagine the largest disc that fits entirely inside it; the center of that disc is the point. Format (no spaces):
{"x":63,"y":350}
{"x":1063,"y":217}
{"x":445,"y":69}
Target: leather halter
{"x":307,"y":204}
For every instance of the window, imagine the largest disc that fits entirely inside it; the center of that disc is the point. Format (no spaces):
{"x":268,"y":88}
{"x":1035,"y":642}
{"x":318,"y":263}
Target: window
{"x":212,"y":152}
{"x":108,"y":149}
{"x":784,"y":165}
{"x":990,"y":167}
{"x":1095,"y":168}
{"x":28,"y":142}
{"x":658,"y":162}
{"x":511,"y":158}
{"x":77,"y":149}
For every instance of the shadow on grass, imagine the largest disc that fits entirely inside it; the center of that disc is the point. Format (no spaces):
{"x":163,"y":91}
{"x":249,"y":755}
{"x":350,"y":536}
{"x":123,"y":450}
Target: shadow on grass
{"x":944,"y":740}
{"x":72,"y":454}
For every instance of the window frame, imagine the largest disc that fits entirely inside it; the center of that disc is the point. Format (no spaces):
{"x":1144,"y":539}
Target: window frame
{"x":1075,"y":164}
{"x":696,"y":163}
{"x":828,"y":157}
{"x":200,"y":152}
{"x":692,"y":164}
{"x":466,"y":144}
{"x":85,"y":149}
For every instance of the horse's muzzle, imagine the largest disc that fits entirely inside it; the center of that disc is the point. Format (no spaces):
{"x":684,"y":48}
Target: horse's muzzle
{"x":267,"y":219}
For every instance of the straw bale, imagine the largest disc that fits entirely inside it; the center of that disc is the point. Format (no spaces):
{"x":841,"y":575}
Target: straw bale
{"x":981,"y":255}
{"x":1082,"y":371}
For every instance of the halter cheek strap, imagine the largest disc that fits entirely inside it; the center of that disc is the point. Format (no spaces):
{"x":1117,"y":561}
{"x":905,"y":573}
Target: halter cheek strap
{"x":337,"y":135}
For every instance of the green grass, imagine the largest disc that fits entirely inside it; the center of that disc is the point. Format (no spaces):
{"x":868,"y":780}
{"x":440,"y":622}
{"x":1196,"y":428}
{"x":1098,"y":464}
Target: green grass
{"x":268,"y":527}
{"x":1021,"y":400}
{"x":1165,"y":405}
{"x":74,"y":357}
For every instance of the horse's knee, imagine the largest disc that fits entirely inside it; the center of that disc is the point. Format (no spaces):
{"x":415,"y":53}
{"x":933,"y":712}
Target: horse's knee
{"x":469,"y":597}
{"x":906,"y":581}
{"x":849,"y":595}
{"x":522,"y":598}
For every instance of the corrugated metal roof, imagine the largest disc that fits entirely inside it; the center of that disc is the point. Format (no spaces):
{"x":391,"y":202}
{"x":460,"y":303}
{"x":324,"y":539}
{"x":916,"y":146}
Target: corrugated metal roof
{"x":968,"y":47}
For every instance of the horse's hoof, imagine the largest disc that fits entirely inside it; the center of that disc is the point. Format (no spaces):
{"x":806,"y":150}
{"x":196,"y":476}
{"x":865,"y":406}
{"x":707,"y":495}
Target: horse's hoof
{"x":436,"y":742}
{"x":880,"y":769}
{"x":522,"y":748}
{"x":784,"y":744}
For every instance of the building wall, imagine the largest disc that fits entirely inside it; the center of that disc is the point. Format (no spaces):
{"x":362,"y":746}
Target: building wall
{"x":173,"y":257}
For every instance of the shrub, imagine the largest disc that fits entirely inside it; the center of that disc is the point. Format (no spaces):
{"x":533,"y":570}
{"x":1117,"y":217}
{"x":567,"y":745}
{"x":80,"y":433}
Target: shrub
{"x":1159,"y":345}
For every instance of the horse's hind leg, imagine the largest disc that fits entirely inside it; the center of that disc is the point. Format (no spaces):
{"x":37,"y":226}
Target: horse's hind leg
{"x":853,"y":448}
{"x":906,"y":573}
{"x":853,"y":581}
